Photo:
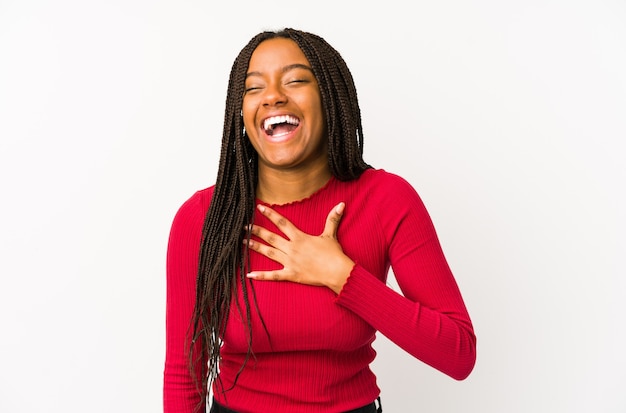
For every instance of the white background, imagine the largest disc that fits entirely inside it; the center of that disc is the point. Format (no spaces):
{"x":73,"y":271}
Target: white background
{"x":508,"y":117}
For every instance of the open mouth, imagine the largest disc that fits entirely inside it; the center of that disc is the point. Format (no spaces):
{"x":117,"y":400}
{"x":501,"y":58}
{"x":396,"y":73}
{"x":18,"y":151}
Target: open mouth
{"x":280,"y":125}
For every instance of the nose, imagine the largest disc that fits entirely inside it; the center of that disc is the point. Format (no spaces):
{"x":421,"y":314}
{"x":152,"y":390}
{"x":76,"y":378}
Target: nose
{"x":274,"y":95}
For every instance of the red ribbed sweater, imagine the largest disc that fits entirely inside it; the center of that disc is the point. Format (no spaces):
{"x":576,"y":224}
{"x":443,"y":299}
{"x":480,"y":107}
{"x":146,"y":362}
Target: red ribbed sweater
{"x":317,"y":355}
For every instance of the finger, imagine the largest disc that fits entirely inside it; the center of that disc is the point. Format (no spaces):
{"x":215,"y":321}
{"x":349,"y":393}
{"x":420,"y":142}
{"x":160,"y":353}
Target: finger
{"x":333,"y":219}
{"x":280,"y":221}
{"x":266,"y":250}
{"x":276,"y":275}
{"x":268,"y":236}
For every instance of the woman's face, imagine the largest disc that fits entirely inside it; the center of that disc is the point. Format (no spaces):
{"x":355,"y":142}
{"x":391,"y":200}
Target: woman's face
{"x":282,"y":108}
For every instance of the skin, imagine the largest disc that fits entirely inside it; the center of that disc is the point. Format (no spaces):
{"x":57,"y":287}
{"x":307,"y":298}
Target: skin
{"x":279,"y":82}
{"x":292,"y":166}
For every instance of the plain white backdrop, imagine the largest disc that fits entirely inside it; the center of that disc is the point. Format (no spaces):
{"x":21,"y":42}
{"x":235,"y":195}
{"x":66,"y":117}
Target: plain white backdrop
{"x":508,"y":117}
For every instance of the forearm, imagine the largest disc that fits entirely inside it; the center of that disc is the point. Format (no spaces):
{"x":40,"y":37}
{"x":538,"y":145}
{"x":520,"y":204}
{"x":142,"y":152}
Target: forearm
{"x":443,"y":338}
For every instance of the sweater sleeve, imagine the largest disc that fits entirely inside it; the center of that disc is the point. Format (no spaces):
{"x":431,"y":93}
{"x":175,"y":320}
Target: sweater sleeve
{"x":429,"y":319}
{"x":180,"y":394}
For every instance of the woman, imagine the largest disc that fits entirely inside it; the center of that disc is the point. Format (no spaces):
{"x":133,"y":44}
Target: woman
{"x":276,"y":275}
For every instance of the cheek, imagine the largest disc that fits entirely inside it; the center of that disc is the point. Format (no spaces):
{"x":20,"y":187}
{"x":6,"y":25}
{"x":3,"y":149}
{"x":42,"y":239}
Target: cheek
{"x":248,"y":123}
{"x":320,"y":123}
{"x":248,"y":111}
{"x":318,"y":110}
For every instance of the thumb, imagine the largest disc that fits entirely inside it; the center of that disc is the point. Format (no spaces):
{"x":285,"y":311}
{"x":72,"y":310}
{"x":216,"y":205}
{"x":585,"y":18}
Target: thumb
{"x":333,"y":219}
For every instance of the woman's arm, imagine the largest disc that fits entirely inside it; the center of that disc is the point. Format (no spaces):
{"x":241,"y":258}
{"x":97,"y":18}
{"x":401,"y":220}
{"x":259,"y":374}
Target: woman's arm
{"x":429,"y":319}
{"x":180,"y":392}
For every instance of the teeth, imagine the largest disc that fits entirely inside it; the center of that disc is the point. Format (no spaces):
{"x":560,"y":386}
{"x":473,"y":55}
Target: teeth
{"x":269,"y":123}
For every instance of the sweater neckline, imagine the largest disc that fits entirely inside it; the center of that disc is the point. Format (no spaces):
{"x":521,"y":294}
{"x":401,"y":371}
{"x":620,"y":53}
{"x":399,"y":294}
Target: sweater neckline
{"x":314,"y":195}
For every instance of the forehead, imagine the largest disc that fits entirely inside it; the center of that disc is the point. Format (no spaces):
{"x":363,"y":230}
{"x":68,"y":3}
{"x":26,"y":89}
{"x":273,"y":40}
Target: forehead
{"x":275,"y":54}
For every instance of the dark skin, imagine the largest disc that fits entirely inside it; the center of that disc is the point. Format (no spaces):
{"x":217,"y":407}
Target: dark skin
{"x":293,"y":164}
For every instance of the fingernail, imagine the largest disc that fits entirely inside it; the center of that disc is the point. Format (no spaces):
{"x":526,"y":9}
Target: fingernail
{"x":251,"y":275}
{"x":340,"y":208}
{"x":261,"y":208}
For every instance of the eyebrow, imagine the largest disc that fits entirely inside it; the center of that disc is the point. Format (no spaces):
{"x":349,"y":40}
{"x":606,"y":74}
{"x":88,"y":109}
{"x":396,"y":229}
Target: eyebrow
{"x":284,"y":69}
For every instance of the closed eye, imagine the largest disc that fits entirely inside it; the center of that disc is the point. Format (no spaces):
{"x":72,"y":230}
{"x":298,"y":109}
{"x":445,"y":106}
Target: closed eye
{"x":252,"y":89}
{"x":297,"y":81}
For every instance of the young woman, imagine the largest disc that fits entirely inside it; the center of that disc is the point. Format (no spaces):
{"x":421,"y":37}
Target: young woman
{"x":276,"y":274}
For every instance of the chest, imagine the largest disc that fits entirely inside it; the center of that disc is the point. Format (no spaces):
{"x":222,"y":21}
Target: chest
{"x":286,"y":316}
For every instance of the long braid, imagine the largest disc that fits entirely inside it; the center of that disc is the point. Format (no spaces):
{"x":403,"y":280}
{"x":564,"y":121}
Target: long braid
{"x":232,"y":206}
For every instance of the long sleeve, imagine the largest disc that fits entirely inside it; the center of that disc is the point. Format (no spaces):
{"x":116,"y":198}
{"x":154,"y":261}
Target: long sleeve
{"x":180,"y":394}
{"x":312,"y":348}
{"x":429,"y":319}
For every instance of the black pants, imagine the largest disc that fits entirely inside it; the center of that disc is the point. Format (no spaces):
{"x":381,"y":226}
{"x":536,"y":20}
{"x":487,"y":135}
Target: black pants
{"x":373,"y":407}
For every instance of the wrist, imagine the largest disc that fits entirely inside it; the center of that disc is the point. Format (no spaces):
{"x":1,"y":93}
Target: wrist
{"x":342,"y":275}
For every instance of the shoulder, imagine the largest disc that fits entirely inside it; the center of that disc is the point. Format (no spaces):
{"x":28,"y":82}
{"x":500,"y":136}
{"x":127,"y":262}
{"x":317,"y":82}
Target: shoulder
{"x":392,"y":198}
{"x":381,"y":183}
{"x":381,"y":175}
{"x":199,"y":200}
{"x":194,"y":209}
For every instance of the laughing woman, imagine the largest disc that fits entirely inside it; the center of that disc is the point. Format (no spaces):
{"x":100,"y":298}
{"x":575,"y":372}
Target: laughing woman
{"x":276,"y":275}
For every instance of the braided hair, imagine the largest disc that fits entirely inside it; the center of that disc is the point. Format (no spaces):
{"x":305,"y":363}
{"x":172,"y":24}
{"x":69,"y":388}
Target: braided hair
{"x":222,"y":257}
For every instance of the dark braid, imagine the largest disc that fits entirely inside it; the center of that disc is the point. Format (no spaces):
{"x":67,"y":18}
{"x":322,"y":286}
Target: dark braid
{"x":222,"y":256}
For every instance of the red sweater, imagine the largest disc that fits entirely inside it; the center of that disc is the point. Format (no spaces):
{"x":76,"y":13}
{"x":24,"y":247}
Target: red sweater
{"x":317,"y":355}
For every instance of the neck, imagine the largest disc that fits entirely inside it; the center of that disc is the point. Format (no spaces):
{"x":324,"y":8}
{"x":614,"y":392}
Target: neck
{"x":283,"y":186}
